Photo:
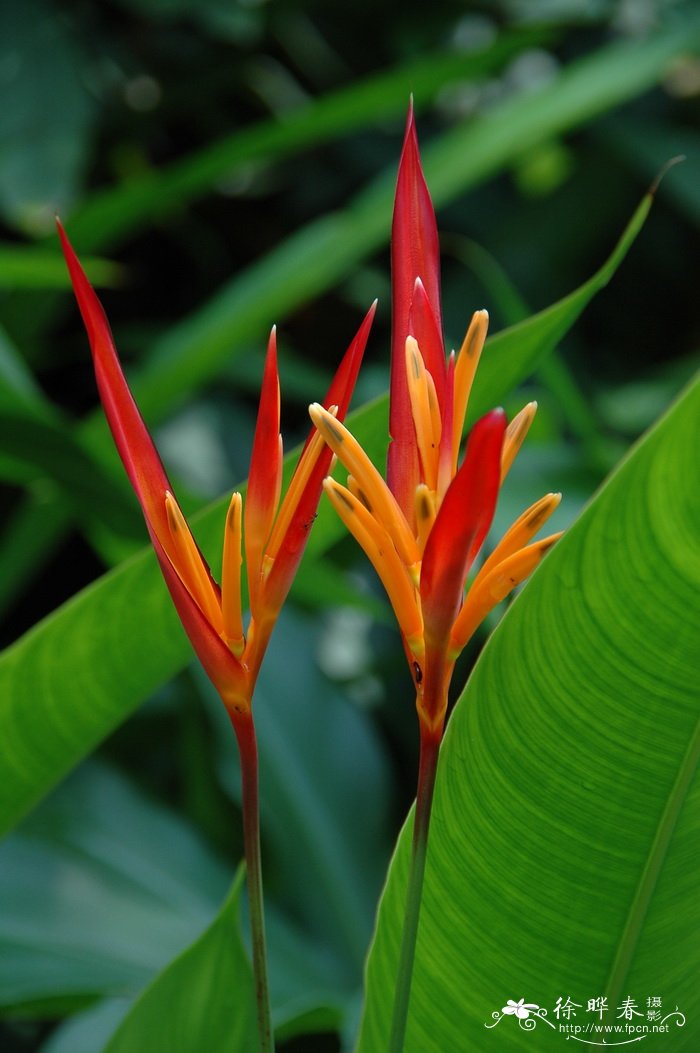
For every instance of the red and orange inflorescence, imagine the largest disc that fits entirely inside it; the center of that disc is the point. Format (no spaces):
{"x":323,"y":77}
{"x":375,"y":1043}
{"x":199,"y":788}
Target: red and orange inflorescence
{"x":423,"y":528}
{"x":272,"y":531}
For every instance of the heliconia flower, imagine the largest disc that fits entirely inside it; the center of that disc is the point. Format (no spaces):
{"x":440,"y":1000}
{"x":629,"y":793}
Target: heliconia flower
{"x":275,"y":531}
{"x":423,"y":528}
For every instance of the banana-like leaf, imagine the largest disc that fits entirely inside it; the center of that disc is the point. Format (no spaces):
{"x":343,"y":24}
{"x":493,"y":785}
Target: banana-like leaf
{"x":562,"y":859}
{"x":74,"y":677}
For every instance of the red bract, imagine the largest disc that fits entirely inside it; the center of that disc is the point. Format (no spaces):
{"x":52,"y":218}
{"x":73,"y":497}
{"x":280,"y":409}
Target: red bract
{"x":275,"y":532}
{"x":423,"y":528}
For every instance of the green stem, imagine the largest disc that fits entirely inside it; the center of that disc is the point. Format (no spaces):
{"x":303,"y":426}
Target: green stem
{"x":245,"y":733}
{"x":429,"y":750}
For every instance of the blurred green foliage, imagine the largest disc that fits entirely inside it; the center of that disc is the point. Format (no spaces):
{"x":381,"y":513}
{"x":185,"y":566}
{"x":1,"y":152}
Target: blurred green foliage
{"x":231,"y":165}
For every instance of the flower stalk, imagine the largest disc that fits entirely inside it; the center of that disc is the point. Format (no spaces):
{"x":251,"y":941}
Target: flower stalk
{"x":427,"y":770}
{"x":248,"y":748}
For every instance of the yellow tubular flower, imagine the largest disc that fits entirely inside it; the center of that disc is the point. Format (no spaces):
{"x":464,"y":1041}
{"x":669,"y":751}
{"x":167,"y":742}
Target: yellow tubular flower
{"x":465,"y":370}
{"x":349,"y":452}
{"x":190,"y":566}
{"x":373,"y":538}
{"x":490,"y":589}
{"x":515,"y":436}
{"x":232,"y":561}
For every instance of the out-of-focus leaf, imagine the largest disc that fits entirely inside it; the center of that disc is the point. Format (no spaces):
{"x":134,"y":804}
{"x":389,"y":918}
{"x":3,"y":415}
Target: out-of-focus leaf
{"x":34,"y":443}
{"x":38,"y":445}
{"x":31,"y":532}
{"x":99,"y":889}
{"x":119,"y":639}
{"x":41,"y":451}
{"x":649,"y":145}
{"x":631,"y":408}
{"x":45,"y":118}
{"x":112,"y":214}
{"x":102,"y":887}
{"x":88,"y":1031}
{"x":194,"y":351}
{"x":16,"y":380}
{"x":322,"y":585}
{"x":205,"y":999}
{"x":562,"y":846}
{"x":26,"y":267}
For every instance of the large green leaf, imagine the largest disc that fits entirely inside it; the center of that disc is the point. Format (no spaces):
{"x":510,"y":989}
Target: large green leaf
{"x":68,"y":682}
{"x":563,"y":848}
{"x":203,"y":1000}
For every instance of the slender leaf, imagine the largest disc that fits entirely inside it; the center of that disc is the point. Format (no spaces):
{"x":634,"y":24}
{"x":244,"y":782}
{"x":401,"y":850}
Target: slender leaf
{"x":26,"y":267}
{"x":118,"y":640}
{"x":112,"y":214}
{"x":562,"y":857}
{"x":195,"y":350}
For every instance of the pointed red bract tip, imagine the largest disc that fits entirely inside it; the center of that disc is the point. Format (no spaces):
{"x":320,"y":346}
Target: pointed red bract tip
{"x":415,"y":253}
{"x":135,"y":446}
{"x":265,"y":468}
{"x":150,"y":483}
{"x":339,"y":394}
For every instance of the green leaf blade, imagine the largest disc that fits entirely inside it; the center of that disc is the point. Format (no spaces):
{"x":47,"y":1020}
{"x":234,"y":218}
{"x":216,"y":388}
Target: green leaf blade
{"x":567,"y":802}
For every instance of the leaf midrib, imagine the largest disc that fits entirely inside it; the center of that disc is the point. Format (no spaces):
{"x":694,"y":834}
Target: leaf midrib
{"x":634,"y":923}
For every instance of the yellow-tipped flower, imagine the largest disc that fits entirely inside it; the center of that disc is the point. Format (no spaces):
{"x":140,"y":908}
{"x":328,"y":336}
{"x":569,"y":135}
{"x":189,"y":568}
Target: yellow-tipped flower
{"x":275,"y":531}
{"x":423,"y":528}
